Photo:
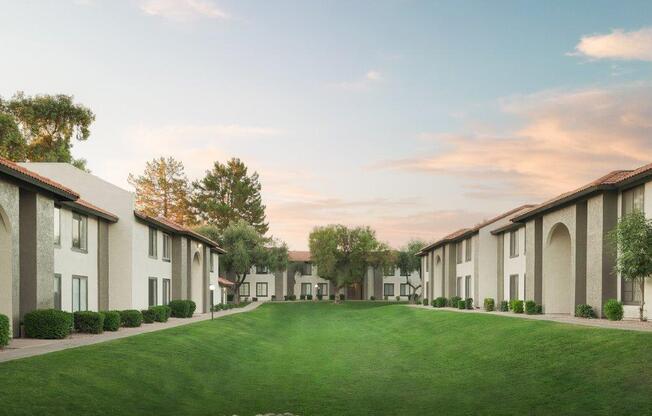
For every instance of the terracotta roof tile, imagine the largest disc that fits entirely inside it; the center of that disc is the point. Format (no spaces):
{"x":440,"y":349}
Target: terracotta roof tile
{"x":180,"y":229}
{"x":38,"y":178}
{"x":92,"y":207}
{"x":299,"y":255}
{"x":224,"y":282}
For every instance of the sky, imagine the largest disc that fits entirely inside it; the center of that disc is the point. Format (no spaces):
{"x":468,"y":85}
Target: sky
{"x":413,"y":117}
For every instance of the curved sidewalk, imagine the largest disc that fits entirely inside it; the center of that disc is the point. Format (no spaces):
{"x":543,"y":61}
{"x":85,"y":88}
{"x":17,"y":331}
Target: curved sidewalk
{"x":625,"y":325}
{"x":29,"y":347}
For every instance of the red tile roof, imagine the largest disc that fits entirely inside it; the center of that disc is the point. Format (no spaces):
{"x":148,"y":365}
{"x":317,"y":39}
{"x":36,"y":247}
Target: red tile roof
{"x":22,"y":173}
{"x":93,"y":209}
{"x":224,"y":282}
{"x":299,"y":256}
{"x":177,"y":228}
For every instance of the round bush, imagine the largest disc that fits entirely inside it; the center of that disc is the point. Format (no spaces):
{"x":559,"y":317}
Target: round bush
{"x":469,"y":303}
{"x":149,"y":316}
{"x":131,"y":318}
{"x":530,"y":307}
{"x":425,"y":302}
{"x":4,"y":330}
{"x":331,"y":297}
{"x":89,"y":322}
{"x":504,"y":306}
{"x":48,"y":324}
{"x":112,"y":320}
{"x":613,"y":310}
{"x":182,"y":308}
{"x":489,"y":304}
{"x":584,"y":311}
{"x":453,"y":302}
{"x":461,"y":304}
{"x":161,"y":313}
{"x":342,"y":297}
{"x":517,"y":306}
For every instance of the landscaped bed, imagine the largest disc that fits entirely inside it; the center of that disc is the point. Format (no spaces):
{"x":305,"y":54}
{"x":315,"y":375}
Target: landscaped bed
{"x":357,"y":358}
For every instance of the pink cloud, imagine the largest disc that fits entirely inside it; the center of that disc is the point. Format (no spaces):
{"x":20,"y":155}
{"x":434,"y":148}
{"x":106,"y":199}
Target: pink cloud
{"x":619,"y":44}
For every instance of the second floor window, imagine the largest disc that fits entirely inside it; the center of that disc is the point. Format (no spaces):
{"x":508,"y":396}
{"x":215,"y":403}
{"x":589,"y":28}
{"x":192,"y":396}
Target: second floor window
{"x":262,"y":270}
{"x":468,"y":250}
{"x":166,"y":247}
{"x":152,"y":242}
{"x":633,"y":200}
{"x":513,"y":243}
{"x":306,"y":269}
{"x":458,"y":252}
{"x":79,"y":231}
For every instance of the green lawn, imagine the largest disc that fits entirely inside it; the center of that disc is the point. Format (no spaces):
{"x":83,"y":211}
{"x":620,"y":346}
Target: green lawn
{"x":353,"y":359}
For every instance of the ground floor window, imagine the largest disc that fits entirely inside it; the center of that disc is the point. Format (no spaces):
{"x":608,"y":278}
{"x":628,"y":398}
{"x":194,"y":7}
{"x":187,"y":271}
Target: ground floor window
{"x":405,"y":289}
{"x":467,"y":286}
{"x":513,"y":287}
{"x":244,"y":290}
{"x":388,"y":289}
{"x":79,"y":293}
{"x":57,"y":291}
{"x":631,"y":292}
{"x":261,"y":289}
{"x":306,"y":289}
{"x":153,"y":291}
{"x":166,"y":291}
{"x":458,"y":288}
{"x":322,"y":288}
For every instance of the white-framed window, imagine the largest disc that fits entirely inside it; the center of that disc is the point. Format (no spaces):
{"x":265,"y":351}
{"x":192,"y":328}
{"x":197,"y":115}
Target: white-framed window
{"x":633,"y":200}
{"x":152,"y":249}
{"x":57,"y":291}
{"x":306,"y":269}
{"x":388,"y":289}
{"x":468,"y":250}
{"x":167,"y":247}
{"x":306,"y":289}
{"x":79,"y":232}
{"x":458,"y":252}
{"x":467,"y":286}
{"x":262,"y":270}
{"x":458,"y":288}
{"x":152,"y":291}
{"x":513,"y":243}
{"x":405,"y":289}
{"x":631,"y":292}
{"x":244,"y":289}
{"x":167,"y":291}
{"x":261,"y":289}
{"x":57,"y":226}
{"x":513,"y":287}
{"x":79,"y":293}
{"x":322,"y":288}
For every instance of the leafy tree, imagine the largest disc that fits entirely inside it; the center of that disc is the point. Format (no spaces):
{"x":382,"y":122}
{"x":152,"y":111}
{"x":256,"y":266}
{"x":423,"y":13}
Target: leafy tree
{"x":12,"y":144}
{"x":408,"y":261}
{"x":163,"y":189}
{"x":227,"y":194}
{"x":210,"y":231}
{"x":343,"y":255}
{"x":633,"y":239}
{"x":245,"y":248}
{"x":47,"y":125}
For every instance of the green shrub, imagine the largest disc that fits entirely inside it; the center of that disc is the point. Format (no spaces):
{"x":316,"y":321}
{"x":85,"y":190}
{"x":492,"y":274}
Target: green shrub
{"x":415,"y":297}
{"x":254,"y":299}
{"x":229,"y":297}
{"x":504,"y":306}
{"x":48,"y":324}
{"x":539,"y":309}
{"x":469,"y":303}
{"x":182,"y":308}
{"x":4,"y":330}
{"x":285,"y":297}
{"x":302,"y":297}
{"x":293,"y":297}
{"x":398,"y":298}
{"x":425,"y":302}
{"x":461,"y":304}
{"x":342,"y":297}
{"x":320,"y":296}
{"x":613,"y":310}
{"x":149,"y":316}
{"x":489,"y":304}
{"x":517,"y":306}
{"x":530,"y":307}
{"x":308,"y":297}
{"x":112,"y":320}
{"x":273,"y":298}
{"x":454,"y":301}
{"x":439,"y":302}
{"x":584,"y":311}
{"x":89,"y":322}
{"x":161,"y":312}
{"x":372,"y":298}
{"x":131,"y":318}
{"x":331,"y":296}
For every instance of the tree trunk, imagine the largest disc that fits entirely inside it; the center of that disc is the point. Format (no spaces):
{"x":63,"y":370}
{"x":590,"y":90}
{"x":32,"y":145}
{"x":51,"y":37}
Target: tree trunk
{"x":640,"y":310}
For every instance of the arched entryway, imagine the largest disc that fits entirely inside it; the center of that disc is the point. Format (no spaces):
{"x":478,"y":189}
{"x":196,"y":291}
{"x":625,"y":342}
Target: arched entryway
{"x":196,"y":283}
{"x":557,"y":276}
{"x":6,"y":261}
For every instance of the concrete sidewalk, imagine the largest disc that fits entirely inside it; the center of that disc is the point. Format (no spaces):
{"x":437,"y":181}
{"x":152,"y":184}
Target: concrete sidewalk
{"x":626,"y":325}
{"x":29,"y":347}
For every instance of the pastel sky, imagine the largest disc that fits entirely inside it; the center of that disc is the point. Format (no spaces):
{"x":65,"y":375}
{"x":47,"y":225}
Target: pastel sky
{"x":416,"y":118}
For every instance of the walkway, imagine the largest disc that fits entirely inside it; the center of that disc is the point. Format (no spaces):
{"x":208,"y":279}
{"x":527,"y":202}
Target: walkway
{"x":29,"y":347}
{"x":627,"y":324}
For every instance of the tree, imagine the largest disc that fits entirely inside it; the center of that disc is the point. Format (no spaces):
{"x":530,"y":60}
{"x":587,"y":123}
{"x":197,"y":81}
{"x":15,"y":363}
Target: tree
{"x":408,"y":261}
{"x":343,"y":255}
{"x":211,"y":232}
{"x":245,"y":248}
{"x":12,"y":144}
{"x":47,"y":126}
{"x":163,"y":190}
{"x":227,"y":194}
{"x":633,"y":239}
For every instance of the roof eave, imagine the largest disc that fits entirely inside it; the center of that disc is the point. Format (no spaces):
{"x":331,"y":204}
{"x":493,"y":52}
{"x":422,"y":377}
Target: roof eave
{"x":88,"y":210}
{"x":64,"y":195}
{"x":562,"y":202}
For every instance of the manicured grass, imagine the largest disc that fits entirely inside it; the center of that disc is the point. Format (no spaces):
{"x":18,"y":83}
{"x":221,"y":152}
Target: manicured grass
{"x":351,"y":359}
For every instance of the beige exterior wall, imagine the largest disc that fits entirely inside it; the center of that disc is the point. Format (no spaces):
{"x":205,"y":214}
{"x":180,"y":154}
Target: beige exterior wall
{"x":514,"y":265}
{"x":145,"y":266}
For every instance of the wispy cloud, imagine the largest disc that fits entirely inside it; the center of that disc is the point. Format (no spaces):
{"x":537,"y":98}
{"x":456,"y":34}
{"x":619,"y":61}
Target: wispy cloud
{"x":563,"y":140}
{"x":183,"y":10}
{"x":369,"y":79}
{"x":619,"y":44}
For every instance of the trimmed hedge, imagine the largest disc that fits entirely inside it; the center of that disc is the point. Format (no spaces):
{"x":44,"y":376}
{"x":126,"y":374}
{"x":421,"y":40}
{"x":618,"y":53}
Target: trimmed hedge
{"x":112,"y":320}
{"x":489,"y":304}
{"x":454,"y":301}
{"x":293,"y":297}
{"x":148,"y":316}
{"x":48,"y":324}
{"x":398,"y":298}
{"x":613,"y":310}
{"x":342,"y":297}
{"x":461,"y":304}
{"x":372,"y":298}
{"x":530,"y":307}
{"x":254,"y":299}
{"x":302,"y":297}
{"x":331,"y":296}
{"x":131,"y":318}
{"x":469,"y":303}
{"x":539,"y":309}
{"x":584,"y":311}
{"x":320,"y":296}
{"x":89,"y":322}
{"x":4,"y":330}
{"x":182,"y":308}
{"x":425,"y":302}
{"x":439,"y":302}
{"x":161,"y":313}
{"x":273,"y":298}
{"x":504,"y":306}
{"x":308,"y":297}
{"x":230,"y":297}
{"x":516,"y":306}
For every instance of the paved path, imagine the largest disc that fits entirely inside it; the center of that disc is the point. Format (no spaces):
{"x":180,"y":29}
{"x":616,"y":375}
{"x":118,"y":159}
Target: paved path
{"x":29,"y":347}
{"x":626,"y":325}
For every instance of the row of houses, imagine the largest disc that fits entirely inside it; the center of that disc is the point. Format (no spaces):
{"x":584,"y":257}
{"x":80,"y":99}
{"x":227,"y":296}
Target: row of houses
{"x":557,"y":253}
{"x":72,"y":241}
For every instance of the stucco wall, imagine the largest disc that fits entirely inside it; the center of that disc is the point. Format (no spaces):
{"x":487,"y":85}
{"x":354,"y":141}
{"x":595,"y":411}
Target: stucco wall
{"x":514,"y":265}
{"x":9,"y":266}
{"x":269,"y":278}
{"x":396,"y":279}
{"x":145,"y":267}
{"x":468,"y":268}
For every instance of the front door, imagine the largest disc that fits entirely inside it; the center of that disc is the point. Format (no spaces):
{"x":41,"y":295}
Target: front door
{"x":354,"y":291}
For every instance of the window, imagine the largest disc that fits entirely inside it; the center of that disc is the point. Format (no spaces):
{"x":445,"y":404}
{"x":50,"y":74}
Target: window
{"x":458,"y":288}
{"x":405,"y":289}
{"x":388,"y":289}
{"x":458,"y":252}
{"x":306,"y":269}
{"x":513,"y":243}
{"x":390,"y":270}
{"x":631,"y":292}
{"x":79,"y":293}
{"x":79,"y":231}
{"x":57,"y":291}
{"x":513,"y":287}
{"x":57,"y":226}
{"x":153,"y":291}
{"x":322,"y":288}
{"x":152,"y":243}
{"x":166,"y":247}
{"x":261,"y":289}
{"x":306,"y":289}
{"x":427,"y":258}
{"x":467,"y":286}
{"x":633,"y":200}
{"x":262,"y":270}
{"x":212,"y":261}
{"x":166,"y":291}
{"x":244,"y":290}
{"x":468,"y":250}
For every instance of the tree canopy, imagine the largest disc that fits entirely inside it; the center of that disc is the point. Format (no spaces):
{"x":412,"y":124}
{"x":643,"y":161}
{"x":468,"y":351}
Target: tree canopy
{"x":408,"y":261}
{"x":228,"y":193}
{"x":46,"y":125}
{"x":163,"y":189}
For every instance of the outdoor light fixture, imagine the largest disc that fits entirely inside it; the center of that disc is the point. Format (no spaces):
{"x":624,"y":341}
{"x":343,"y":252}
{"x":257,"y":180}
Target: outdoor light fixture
{"x":212,"y":288}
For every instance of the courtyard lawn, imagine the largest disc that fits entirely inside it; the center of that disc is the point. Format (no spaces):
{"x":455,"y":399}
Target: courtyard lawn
{"x":353,"y":359}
